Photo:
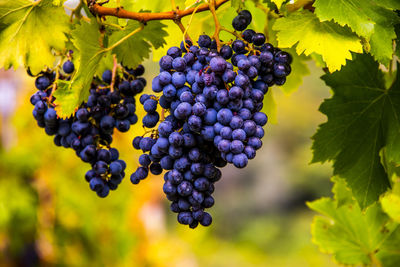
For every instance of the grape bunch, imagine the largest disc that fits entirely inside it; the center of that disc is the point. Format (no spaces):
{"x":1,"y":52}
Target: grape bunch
{"x":89,"y":131}
{"x":214,"y":100}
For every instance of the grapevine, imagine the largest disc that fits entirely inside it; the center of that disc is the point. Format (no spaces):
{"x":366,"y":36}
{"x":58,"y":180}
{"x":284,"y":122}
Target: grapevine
{"x":213,"y":86}
{"x":213,"y":93}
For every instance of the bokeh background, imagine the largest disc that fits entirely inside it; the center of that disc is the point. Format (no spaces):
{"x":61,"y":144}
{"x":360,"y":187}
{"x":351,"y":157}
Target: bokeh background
{"x":49,"y":216}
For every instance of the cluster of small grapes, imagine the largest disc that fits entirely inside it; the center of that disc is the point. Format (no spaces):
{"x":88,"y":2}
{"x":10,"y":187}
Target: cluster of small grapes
{"x":191,"y":163}
{"x":213,"y":100}
{"x":89,"y":131}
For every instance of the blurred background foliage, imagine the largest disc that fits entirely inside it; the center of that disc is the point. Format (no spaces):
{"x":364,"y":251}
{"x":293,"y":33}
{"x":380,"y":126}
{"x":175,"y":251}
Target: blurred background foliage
{"x":48,"y":215}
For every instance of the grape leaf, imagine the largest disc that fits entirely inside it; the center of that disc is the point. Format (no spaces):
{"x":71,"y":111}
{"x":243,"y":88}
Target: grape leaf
{"x":351,"y":235}
{"x":390,"y":4}
{"x":70,"y":94}
{"x":391,"y":205}
{"x":366,"y":18}
{"x":127,"y":52}
{"x":389,"y":254}
{"x":363,"y":117}
{"x":26,"y":38}
{"x":397,"y":51}
{"x":328,"y":39}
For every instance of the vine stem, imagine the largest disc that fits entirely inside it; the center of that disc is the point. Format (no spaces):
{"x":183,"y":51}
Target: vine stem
{"x":148,"y":16}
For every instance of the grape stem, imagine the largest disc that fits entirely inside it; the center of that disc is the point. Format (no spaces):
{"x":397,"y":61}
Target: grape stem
{"x":114,"y":72}
{"x":212,"y":6}
{"x":183,"y":29}
{"x":54,"y":87}
{"x":188,"y":25}
{"x":99,"y":10}
{"x":178,"y":21}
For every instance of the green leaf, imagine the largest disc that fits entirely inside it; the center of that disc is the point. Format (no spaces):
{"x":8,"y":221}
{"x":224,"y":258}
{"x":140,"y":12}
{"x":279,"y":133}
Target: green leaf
{"x":351,"y":235}
{"x":70,"y":94}
{"x":368,"y":19}
{"x":127,"y":53}
{"x":389,"y":254}
{"x":363,"y":117}
{"x":397,"y":50}
{"x":29,"y":31}
{"x":328,"y":39}
{"x":389,"y":4}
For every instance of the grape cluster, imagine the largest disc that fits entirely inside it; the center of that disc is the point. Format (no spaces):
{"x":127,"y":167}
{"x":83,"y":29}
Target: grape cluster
{"x":89,"y":131}
{"x":214,"y":102}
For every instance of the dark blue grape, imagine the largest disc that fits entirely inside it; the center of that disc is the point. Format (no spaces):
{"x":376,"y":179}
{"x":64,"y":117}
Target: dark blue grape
{"x":240,"y":160}
{"x":107,"y":76}
{"x":247,"y":15}
{"x":239,"y":23}
{"x":42,"y":82}
{"x":68,"y":67}
{"x":204,"y":41}
{"x":151,"y":119}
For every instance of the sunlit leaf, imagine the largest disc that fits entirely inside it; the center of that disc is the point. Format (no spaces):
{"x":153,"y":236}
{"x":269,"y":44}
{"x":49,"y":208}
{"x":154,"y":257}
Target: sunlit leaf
{"x":353,"y":236}
{"x":26,"y":37}
{"x":70,"y":94}
{"x":367,"y":18}
{"x":332,"y":42}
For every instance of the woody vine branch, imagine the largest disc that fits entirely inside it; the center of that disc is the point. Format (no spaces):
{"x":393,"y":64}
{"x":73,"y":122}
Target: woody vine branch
{"x":144,"y":17}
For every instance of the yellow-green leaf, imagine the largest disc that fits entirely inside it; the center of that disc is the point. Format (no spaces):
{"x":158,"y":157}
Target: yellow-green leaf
{"x":26,"y":37}
{"x":70,"y":94}
{"x":333,"y":42}
{"x":353,"y":236}
{"x":366,"y":18}
{"x":391,"y":205}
